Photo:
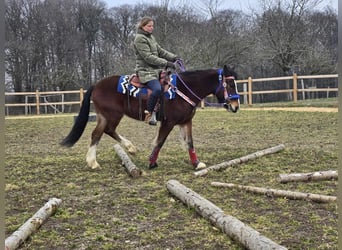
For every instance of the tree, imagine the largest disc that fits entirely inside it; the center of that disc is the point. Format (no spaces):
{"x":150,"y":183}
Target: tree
{"x":72,"y":44}
{"x":64,"y":44}
{"x":322,"y":39}
{"x":117,"y":34}
{"x":88,"y":24}
{"x":280,"y":28}
{"x":16,"y":42}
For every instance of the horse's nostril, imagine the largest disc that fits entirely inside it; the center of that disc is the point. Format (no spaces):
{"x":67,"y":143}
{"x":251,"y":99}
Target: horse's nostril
{"x":236,"y":108}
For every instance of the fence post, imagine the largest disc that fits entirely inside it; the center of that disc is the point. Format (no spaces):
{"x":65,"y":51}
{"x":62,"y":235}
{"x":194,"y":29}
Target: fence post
{"x":295,"y":87}
{"x":245,"y":97}
{"x":250,"y":90}
{"x":81,"y":96}
{"x":26,"y":106}
{"x":303,"y":88}
{"x":202,"y":103}
{"x":37,"y":102}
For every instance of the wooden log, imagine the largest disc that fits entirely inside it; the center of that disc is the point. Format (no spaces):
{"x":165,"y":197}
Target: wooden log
{"x":131,"y":168}
{"x":313,"y":176}
{"x":279,"y":193}
{"x":240,"y":160}
{"x":234,"y":228}
{"x":32,"y":225}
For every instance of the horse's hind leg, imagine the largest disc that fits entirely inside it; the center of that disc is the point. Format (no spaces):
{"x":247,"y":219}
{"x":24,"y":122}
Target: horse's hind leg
{"x":95,"y":138}
{"x":186,"y":133}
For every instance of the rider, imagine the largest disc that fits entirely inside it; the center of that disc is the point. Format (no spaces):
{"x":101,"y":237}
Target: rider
{"x":150,"y":60}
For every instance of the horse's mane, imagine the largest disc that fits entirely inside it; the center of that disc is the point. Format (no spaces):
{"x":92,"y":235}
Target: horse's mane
{"x":197,"y":71}
{"x":202,"y":71}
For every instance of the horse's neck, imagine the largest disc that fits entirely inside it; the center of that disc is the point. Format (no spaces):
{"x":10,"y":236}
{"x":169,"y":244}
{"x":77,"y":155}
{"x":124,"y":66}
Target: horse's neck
{"x":202,"y":83}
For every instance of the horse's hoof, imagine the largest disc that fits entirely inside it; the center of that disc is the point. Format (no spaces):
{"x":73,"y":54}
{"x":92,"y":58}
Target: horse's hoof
{"x":97,"y":166}
{"x":200,"y":166}
{"x":132,"y":150}
{"x":93,"y":164}
{"x":152,"y":123}
{"x":152,"y":166}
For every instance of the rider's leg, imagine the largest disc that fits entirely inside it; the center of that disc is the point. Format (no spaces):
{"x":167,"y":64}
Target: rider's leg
{"x":150,"y":115}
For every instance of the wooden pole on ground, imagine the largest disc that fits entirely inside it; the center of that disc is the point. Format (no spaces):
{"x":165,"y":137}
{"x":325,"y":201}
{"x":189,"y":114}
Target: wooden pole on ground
{"x":131,"y":168}
{"x":234,"y":228}
{"x":32,"y":225}
{"x":279,"y":193}
{"x":313,"y":176}
{"x":242,"y":159}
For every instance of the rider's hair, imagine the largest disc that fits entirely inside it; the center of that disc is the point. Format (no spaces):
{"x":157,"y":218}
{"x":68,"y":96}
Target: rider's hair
{"x":145,"y":20}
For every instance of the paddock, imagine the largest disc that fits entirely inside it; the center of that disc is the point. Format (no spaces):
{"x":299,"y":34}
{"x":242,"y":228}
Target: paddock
{"x":108,"y":209}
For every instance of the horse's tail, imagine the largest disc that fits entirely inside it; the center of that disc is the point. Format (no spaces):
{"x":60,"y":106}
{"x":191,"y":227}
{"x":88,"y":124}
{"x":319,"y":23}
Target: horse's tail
{"x":81,"y":121}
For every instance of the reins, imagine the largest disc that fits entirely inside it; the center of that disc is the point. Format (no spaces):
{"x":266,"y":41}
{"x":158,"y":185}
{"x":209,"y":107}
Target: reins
{"x":182,"y":69}
{"x":221,"y":84}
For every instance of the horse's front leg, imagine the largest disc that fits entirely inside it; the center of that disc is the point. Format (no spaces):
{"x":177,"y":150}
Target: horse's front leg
{"x":186,"y":132}
{"x":126,"y":143}
{"x":159,"y":141}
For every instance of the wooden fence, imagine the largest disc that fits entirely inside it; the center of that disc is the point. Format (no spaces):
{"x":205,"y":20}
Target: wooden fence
{"x":248,"y":92}
{"x":40,"y":98}
{"x":295,"y":90}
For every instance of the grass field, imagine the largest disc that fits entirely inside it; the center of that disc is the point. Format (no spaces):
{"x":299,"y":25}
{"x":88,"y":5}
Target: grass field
{"x":106,"y":209}
{"x":321,"y":103}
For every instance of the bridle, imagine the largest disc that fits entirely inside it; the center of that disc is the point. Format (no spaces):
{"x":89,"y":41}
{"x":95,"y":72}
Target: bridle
{"x":223,"y":84}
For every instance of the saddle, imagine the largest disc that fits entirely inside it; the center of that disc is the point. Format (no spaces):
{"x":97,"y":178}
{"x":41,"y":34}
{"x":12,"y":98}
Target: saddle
{"x":164,"y":79}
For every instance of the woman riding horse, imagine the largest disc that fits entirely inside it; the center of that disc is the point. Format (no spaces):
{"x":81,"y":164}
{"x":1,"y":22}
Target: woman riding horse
{"x":190,"y":88}
{"x":150,"y":59}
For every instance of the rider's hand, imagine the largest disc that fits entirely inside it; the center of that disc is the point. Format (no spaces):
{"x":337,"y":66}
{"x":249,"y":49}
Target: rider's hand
{"x":170,"y":65}
{"x":177,"y":58}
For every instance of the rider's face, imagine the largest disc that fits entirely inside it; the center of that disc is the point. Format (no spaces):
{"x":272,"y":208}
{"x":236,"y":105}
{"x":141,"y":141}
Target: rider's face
{"x":148,"y":27}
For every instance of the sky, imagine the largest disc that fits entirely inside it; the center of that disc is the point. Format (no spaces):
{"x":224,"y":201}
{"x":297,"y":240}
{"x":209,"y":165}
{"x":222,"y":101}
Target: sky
{"x":243,"y":5}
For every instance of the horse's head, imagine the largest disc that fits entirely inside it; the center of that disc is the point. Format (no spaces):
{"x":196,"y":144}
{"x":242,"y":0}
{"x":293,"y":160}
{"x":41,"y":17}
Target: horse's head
{"x":227,"y":91}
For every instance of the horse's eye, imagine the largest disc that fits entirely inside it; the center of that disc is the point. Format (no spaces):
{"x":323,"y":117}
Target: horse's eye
{"x":231,"y":84}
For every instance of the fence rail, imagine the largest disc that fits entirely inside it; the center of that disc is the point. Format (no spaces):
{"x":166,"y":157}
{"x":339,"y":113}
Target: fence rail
{"x":294,"y":89}
{"x":40,"y":98}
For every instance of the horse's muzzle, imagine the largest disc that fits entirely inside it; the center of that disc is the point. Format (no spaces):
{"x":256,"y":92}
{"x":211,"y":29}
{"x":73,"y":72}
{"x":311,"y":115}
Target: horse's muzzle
{"x":231,"y":108}
{"x":232,"y":103}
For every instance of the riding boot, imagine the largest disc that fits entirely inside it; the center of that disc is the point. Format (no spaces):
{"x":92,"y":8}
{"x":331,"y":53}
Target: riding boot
{"x":150,"y":118}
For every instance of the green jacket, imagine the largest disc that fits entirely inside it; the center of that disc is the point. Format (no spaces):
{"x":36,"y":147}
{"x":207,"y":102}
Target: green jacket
{"x":150,"y":57}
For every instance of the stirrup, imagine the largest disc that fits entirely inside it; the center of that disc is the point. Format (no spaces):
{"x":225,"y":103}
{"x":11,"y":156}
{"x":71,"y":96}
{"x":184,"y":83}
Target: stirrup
{"x":150,"y":118}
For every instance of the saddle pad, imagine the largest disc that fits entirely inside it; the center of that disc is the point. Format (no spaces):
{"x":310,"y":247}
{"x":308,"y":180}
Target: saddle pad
{"x":125,"y":87}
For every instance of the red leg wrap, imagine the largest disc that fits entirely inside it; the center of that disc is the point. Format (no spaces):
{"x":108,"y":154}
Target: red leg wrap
{"x":193,"y":156}
{"x":154,"y":155}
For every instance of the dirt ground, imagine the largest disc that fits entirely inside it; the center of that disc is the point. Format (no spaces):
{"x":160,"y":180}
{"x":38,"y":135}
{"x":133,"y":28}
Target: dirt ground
{"x":106,"y":209}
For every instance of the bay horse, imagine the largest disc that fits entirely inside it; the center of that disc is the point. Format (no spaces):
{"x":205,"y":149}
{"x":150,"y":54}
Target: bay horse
{"x":189,"y":88}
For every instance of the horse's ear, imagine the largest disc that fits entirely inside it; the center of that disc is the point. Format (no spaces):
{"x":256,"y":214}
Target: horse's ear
{"x":229,"y":70}
{"x":229,"y":67}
